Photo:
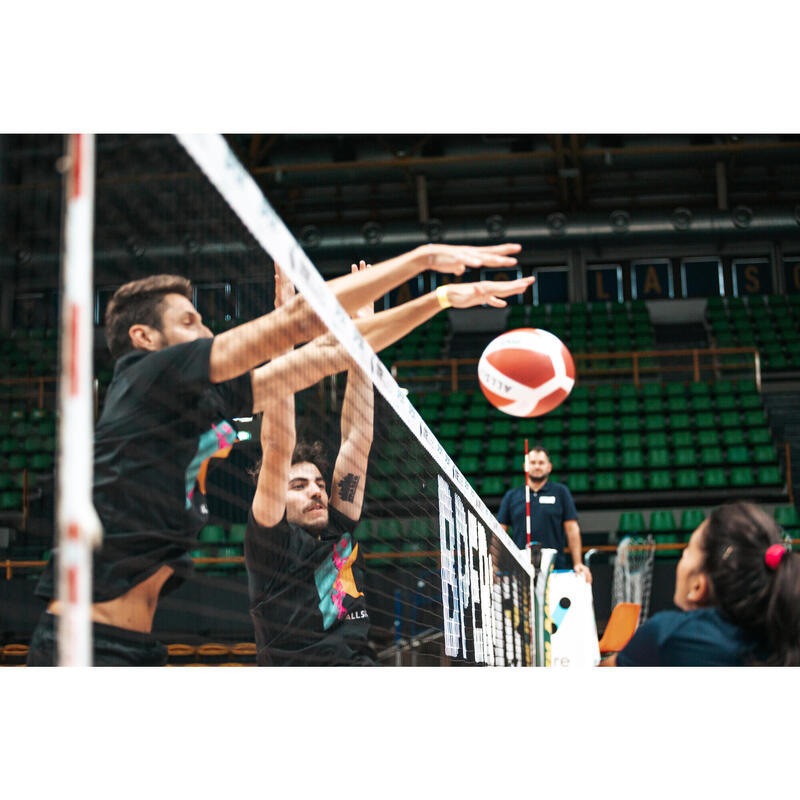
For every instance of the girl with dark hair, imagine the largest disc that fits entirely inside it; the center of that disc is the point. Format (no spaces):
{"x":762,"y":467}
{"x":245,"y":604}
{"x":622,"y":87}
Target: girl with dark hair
{"x":738,"y":585}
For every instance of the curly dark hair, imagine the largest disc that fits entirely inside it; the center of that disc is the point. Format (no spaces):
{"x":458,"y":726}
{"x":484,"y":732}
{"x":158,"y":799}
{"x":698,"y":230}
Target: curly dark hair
{"x":304,"y":452}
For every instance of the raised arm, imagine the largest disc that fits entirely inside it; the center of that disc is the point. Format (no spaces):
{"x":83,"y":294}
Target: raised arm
{"x":350,"y":470}
{"x":278,"y":437}
{"x":325,"y":356}
{"x":244,"y":347}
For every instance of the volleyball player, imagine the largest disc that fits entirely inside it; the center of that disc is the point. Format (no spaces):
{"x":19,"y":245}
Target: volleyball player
{"x":174,"y":388}
{"x":305,"y":569}
{"x":738,"y":587}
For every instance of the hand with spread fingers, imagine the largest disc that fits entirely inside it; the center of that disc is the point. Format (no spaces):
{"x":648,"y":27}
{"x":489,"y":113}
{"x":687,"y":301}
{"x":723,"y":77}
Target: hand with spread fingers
{"x":467,"y":295}
{"x":455,"y":259}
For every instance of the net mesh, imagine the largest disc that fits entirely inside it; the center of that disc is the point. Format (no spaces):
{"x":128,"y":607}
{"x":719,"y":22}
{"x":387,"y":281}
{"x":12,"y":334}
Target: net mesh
{"x":442,"y":583}
{"x":633,"y":573}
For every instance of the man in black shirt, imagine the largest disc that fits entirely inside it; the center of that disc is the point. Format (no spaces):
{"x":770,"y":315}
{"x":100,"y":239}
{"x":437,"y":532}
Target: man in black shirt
{"x":167,"y":411}
{"x":305,"y":570}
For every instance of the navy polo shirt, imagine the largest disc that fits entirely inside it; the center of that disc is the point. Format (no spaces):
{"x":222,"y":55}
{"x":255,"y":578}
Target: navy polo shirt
{"x":551,"y":507}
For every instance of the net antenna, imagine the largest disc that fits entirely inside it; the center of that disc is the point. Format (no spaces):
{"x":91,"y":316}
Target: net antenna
{"x":633,"y":573}
{"x":77,"y":524}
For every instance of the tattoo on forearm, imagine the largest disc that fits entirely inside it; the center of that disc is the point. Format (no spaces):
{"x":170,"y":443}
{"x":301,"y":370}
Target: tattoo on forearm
{"x":347,"y":487}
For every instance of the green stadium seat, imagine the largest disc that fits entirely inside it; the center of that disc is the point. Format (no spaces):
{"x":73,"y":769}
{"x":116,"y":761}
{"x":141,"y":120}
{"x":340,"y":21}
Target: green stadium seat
{"x":738,"y":454}
{"x":714,"y":478}
{"x":754,"y":418}
{"x":658,"y":457}
{"x":708,"y":438}
{"x":552,"y":426}
{"x":6,"y":481}
{"x":680,"y":421}
{"x":742,"y":476}
{"x":492,"y":486}
{"x":653,"y":422}
{"x":675,"y":389}
{"x":475,"y":447}
{"x":605,"y":391}
{"x":662,"y":521}
{"x":682,"y":439}
{"x":629,"y":440}
{"x":41,"y":462}
{"x":606,"y":441}
{"x":630,"y":405}
{"x":656,"y":440}
{"x":704,"y":419}
{"x":685,"y":457}
{"x":659,"y":480}
{"x":759,"y":436}
{"x":17,"y":461}
{"x":632,"y":481}
{"x":212,"y":534}
{"x":469,"y":465}
{"x":236,"y":533}
{"x":687,"y":479}
{"x":711,"y":455}
{"x":702,"y":403}
{"x":474,"y":429}
{"x":631,"y":522}
{"x":578,"y":460}
{"x":733,"y":436}
{"x":452,"y":413}
{"x":579,"y":425}
{"x":787,"y":517}
{"x":699,"y":389}
{"x":497,"y":464}
{"x":764,"y":454}
{"x":578,"y":442}
{"x":723,"y":388}
{"x":750,"y":401}
{"x":501,"y":427}
{"x":606,"y":459}
{"x":578,"y":482}
{"x":606,"y":424}
{"x":379,"y":489}
{"x":691,"y":518}
{"x":606,"y":482}
{"x":677,"y":404}
{"x":769,"y":476}
{"x":449,"y":430}
{"x":632,"y":459}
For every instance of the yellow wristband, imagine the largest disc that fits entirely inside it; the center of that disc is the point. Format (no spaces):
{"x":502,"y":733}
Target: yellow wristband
{"x":441,"y":296}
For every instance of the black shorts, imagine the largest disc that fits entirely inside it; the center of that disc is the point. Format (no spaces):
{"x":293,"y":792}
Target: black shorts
{"x":112,"y":647}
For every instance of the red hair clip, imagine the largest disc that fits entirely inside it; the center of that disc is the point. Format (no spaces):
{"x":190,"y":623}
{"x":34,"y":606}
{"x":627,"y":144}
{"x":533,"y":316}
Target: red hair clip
{"x":774,"y":554}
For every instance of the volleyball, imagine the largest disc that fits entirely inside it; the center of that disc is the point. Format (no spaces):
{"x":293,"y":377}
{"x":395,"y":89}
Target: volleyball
{"x":526,"y":372}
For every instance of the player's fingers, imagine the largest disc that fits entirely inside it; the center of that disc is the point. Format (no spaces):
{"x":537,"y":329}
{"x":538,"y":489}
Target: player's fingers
{"x":502,"y":249}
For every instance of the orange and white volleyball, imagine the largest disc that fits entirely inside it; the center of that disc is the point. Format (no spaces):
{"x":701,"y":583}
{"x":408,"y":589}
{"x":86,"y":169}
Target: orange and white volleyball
{"x":526,"y":372}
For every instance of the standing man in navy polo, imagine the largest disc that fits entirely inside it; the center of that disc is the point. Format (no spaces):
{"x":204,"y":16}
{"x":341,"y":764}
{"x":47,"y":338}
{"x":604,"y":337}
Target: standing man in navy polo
{"x":554,"y":520}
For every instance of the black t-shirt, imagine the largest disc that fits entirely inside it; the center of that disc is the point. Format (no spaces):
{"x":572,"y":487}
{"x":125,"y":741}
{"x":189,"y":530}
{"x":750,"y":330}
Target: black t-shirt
{"x":306,"y":594}
{"x":162,"y":420}
{"x":698,"y":638}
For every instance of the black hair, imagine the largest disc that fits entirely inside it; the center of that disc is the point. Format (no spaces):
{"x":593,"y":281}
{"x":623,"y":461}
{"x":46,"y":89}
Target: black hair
{"x":304,"y":452}
{"x":764,"y":602}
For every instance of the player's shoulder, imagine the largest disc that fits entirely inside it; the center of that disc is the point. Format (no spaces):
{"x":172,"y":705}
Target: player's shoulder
{"x":558,"y":488}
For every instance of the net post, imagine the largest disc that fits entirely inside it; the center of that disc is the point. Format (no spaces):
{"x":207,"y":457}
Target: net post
{"x":78,"y":528}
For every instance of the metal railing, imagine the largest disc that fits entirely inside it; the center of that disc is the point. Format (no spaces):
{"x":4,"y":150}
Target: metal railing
{"x":700,"y":363}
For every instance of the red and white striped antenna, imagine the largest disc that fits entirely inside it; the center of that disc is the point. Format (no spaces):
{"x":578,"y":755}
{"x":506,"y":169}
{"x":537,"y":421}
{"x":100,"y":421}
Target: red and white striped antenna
{"x":527,"y":500}
{"x":78,"y":526}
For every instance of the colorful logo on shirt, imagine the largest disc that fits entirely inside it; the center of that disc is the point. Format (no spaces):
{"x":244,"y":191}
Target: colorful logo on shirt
{"x":335,"y":581}
{"x":215,"y":443}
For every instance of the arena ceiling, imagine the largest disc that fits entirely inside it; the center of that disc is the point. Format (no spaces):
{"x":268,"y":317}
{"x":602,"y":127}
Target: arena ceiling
{"x":343,"y":192}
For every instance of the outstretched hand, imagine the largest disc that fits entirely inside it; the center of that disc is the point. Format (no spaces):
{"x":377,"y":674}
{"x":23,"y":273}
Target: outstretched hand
{"x":454,"y":259}
{"x":467,"y":295}
{"x":368,"y":310}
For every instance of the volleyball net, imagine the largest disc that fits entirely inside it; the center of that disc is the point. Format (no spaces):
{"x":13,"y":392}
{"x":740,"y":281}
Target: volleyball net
{"x":442,"y":582}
